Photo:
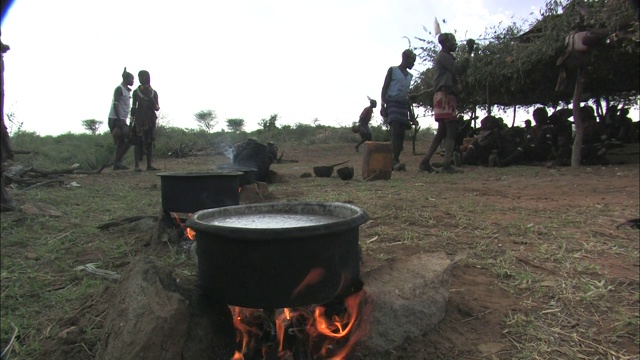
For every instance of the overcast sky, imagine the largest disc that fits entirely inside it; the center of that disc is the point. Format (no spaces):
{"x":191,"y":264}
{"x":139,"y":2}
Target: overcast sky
{"x":244,"y":59}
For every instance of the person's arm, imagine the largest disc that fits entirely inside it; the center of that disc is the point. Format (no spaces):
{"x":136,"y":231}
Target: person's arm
{"x":7,"y":150}
{"x":448,"y":62}
{"x":117,"y":94}
{"x":155,"y":98}
{"x":134,"y":105}
{"x":385,"y":86}
{"x":412,"y":117}
{"x":383,"y":95}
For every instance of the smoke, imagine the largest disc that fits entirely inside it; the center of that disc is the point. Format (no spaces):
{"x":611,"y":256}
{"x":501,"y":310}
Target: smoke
{"x":227,"y":149}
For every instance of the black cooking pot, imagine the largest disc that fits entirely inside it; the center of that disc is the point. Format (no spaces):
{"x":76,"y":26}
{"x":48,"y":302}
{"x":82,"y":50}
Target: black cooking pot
{"x":248,"y":173}
{"x":188,"y":192}
{"x":277,"y":255}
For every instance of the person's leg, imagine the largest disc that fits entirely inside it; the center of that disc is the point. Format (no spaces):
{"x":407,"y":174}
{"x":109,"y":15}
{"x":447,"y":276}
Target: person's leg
{"x":137,"y":154}
{"x":362,"y":140}
{"x":397,"y":141}
{"x":122,"y":146}
{"x":517,"y":154}
{"x":470,"y":156}
{"x":450,"y":142}
{"x":150,"y":157}
{"x":425,"y":164}
{"x":6,"y":203}
{"x":149,"y":148}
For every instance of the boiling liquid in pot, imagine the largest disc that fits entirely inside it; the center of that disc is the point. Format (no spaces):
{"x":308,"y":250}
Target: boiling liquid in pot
{"x":272,"y":221}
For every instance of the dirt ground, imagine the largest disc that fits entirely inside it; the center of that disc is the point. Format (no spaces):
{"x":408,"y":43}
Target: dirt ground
{"x":479,"y":303}
{"x":534,"y":236}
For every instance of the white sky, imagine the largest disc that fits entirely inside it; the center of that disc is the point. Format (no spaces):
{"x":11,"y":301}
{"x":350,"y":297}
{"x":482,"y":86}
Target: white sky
{"x":245,"y":59}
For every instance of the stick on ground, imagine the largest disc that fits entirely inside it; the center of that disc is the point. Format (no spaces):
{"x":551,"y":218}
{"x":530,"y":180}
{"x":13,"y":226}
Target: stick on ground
{"x":123,"y":221}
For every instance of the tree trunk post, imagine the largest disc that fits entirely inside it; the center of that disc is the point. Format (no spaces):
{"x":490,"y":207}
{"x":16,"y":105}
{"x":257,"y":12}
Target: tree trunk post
{"x":475,"y":111}
{"x":488,"y":102}
{"x":513,"y":122}
{"x":576,"y":155}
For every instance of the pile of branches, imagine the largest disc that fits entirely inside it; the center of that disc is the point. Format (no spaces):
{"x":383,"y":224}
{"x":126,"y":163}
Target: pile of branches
{"x":29,"y":177}
{"x":183,"y":151}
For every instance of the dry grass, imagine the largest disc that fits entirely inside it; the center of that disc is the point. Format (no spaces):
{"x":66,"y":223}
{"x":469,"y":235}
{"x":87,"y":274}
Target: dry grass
{"x":551,"y":245}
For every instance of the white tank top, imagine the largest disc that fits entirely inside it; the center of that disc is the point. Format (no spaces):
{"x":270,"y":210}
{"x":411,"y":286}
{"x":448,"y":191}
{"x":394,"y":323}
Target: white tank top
{"x":123,"y":103}
{"x":399,"y":86}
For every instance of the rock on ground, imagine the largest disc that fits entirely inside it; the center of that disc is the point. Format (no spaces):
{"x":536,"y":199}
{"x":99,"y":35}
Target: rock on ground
{"x":148,"y":318}
{"x":409,"y":298}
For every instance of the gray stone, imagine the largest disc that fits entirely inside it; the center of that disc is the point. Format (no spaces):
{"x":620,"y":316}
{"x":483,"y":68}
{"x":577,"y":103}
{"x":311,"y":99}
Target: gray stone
{"x":148,"y":319}
{"x":409,"y":298}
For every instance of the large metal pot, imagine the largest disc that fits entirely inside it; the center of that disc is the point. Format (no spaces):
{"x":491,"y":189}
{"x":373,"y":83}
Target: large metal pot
{"x":248,"y":173}
{"x":277,"y":255}
{"x":188,"y":192}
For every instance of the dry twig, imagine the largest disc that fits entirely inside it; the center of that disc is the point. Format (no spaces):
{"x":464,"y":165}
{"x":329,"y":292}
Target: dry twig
{"x":47,"y":182}
{"x":124,"y":221}
{"x":7,"y":350}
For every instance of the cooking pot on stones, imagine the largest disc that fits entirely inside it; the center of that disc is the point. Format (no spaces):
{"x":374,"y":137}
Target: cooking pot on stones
{"x":277,"y":255}
{"x":188,"y":192}
{"x":248,"y":173}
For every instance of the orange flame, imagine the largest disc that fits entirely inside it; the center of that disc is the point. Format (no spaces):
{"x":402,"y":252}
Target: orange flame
{"x":282,"y":321}
{"x":339,"y":326}
{"x":246,"y":333}
{"x":326,"y":338}
{"x":191,"y":234}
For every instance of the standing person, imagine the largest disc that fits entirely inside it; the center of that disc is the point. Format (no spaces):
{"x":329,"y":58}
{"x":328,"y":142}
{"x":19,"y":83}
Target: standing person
{"x":143,"y":120}
{"x":444,"y":101}
{"x":363,"y":123}
{"x":6,"y":203}
{"x":118,"y":116}
{"x":396,"y":108}
{"x":626,"y":126}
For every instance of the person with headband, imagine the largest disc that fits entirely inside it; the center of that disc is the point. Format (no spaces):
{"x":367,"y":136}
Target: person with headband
{"x":118,"y":116}
{"x":447,"y":88}
{"x":396,"y":108}
{"x":363,"y":123}
{"x":143,"y":120}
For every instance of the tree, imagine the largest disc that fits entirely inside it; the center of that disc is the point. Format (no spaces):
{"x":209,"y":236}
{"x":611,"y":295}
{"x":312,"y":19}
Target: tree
{"x":235,"y":125}
{"x":92,"y":125}
{"x":270,"y":123}
{"x":514,"y":67}
{"x":207,"y":119}
{"x":13,"y":126}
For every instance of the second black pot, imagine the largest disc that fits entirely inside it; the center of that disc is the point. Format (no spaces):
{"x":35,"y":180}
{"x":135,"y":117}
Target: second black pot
{"x":188,"y":192}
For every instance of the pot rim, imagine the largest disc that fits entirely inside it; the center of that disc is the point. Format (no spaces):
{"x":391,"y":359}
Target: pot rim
{"x":199,"y":173}
{"x":234,"y":167}
{"x":355,"y":217}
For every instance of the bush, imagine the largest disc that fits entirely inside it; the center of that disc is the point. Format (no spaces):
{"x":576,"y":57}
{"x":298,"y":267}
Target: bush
{"x":93,"y":151}
{"x":90,"y":151}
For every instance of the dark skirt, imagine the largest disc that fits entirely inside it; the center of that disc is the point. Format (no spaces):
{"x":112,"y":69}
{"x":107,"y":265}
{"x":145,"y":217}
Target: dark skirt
{"x":398,"y":111}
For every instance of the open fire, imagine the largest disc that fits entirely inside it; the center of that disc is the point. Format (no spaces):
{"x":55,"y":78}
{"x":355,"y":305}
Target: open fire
{"x":189,"y":233}
{"x":322,"y":332}
{"x":303,"y":332}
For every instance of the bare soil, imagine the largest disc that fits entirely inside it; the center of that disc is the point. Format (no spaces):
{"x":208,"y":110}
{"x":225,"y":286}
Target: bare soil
{"x":532,"y":235}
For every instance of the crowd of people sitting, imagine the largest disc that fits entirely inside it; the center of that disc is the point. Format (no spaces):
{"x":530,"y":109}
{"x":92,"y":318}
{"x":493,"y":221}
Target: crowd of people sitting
{"x":549,"y":140}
